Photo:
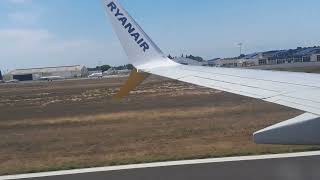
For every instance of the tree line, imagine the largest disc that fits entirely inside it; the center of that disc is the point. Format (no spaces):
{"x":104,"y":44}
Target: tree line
{"x":104,"y":68}
{"x":196,"y":58}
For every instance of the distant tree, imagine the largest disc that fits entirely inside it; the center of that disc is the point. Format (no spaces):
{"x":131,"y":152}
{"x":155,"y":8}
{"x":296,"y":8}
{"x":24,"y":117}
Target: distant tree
{"x":124,"y":67}
{"x":129,"y":67}
{"x":105,"y":68}
{"x":100,"y":68}
{"x":170,"y":57}
{"x":119,"y":67}
{"x":196,"y":58}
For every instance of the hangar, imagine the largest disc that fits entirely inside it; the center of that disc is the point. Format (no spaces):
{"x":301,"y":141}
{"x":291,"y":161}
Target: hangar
{"x":66,"y":72}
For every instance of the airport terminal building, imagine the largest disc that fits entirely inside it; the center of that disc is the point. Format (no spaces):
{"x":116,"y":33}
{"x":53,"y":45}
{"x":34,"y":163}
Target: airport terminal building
{"x":66,"y":72}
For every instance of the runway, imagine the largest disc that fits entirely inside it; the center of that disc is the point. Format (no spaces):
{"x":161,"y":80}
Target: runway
{"x":296,"y":166}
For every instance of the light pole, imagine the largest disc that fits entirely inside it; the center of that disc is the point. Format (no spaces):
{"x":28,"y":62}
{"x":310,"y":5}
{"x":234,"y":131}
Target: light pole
{"x":240,"y":47}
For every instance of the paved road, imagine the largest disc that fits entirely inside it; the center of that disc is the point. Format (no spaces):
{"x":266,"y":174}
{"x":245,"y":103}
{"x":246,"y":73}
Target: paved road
{"x":285,"y":168}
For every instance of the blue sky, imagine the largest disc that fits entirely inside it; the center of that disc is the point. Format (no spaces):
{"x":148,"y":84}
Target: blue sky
{"x":35,"y":33}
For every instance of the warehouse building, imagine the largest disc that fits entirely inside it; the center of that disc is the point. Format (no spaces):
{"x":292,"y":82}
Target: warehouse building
{"x":304,"y":56}
{"x":66,"y":72}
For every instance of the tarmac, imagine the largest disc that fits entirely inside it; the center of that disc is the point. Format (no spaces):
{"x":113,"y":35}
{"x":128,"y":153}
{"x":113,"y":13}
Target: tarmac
{"x":294,"y":166}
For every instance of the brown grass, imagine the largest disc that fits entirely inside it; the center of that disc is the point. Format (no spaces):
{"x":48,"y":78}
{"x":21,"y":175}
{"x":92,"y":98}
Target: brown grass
{"x":59,"y":125}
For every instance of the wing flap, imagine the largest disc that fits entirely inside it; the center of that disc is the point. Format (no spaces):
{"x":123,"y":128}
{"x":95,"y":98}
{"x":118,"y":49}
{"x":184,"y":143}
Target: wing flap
{"x":301,"y":130}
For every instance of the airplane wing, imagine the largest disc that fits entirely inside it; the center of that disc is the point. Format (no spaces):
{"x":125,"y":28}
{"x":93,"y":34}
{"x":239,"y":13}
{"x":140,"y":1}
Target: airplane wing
{"x":296,"y":90}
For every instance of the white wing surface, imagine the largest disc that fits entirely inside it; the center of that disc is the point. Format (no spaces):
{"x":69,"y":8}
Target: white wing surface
{"x":296,"y":90}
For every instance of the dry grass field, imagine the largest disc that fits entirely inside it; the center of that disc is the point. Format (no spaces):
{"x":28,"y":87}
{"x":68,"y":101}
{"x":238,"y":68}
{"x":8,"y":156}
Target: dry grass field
{"x":58,"y":125}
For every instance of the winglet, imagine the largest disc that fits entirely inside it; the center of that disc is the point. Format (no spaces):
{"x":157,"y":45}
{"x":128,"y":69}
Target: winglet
{"x":135,"y":79}
{"x":142,"y":52}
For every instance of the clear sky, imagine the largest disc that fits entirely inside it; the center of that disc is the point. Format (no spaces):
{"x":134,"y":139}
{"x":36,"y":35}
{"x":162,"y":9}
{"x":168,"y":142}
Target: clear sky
{"x":35,"y":33}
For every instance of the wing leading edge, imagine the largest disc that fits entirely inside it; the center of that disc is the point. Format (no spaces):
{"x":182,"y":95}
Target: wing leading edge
{"x":295,"y":90}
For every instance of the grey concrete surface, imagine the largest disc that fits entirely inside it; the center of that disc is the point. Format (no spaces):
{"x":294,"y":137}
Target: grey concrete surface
{"x":297,"y":168}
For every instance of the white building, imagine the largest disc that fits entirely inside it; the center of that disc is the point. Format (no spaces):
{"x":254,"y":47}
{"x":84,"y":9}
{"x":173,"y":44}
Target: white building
{"x":65,"y":72}
{"x":315,"y":58}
